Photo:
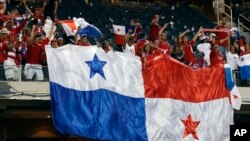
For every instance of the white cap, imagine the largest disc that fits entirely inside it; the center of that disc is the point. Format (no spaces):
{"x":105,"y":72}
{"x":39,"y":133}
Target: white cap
{"x":5,"y":30}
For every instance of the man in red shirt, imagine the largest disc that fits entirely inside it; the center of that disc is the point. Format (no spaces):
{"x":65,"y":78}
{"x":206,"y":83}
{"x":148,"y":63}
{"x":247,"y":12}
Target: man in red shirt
{"x":188,"y":45}
{"x":15,"y":30}
{"x":222,"y":35}
{"x":163,"y":43}
{"x":215,"y":56}
{"x":154,"y":28}
{"x":33,"y":66}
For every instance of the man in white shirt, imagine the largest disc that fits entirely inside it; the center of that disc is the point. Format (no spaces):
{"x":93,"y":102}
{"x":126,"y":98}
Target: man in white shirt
{"x":232,"y":57}
{"x":129,"y":46}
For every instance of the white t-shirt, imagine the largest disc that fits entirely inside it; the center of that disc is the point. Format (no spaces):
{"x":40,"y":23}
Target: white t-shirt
{"x":205,"y":48}
{"x":129,"y":49}
{"x":232,"y":60}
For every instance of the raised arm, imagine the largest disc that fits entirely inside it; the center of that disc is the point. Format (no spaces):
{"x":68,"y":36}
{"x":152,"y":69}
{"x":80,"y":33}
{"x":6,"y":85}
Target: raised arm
{"x":197,"y":34}
{"x":161,"y":31}
{"x":51,"y":33}
{"x":76,"y":35}
{"x":31,"y":36}
{"x":182,"y":34}
{"x":27,"y":8}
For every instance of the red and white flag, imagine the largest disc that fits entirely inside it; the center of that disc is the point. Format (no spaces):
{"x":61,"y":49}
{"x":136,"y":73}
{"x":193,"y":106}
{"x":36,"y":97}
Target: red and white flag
{"x":120,"y":33}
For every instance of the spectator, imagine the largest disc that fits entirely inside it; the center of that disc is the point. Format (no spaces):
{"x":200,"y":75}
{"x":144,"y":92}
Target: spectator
{"x":216,"y":57}
{"x":178,"y":54}
{"x":163,"y":43}
{"x":204,"y":47}
{"x":12,"y":60}
{"x":222,"y":36}
{"x":54,"y":44}
{"x":15,"y":30}
{"x":154,"y":28}
{"x":106,"y":46}
{"x":147,"y":53}
{"x":33,"y":67}
{"x":129,"y":46}
{"x":188,"y":45}
{"x":243,"y":45}
{"x":134,"y":28}
{"x":199,"y":62}
{"x":60,"y":41}
{"x":83,"y":40}
{"x":232,"y":57}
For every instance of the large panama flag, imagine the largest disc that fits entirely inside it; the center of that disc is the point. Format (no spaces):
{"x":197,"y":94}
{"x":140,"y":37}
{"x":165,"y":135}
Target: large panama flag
{"x":109,"y":97}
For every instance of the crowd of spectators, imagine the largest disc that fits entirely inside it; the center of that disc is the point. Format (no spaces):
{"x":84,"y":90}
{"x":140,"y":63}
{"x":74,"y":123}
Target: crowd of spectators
{"x":22,"y":43}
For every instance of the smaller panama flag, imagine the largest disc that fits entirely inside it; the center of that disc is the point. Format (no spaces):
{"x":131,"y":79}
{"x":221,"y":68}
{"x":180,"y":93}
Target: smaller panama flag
{"x":70,"y":28}
{"x":120,"y":34}
{"x":235,"y":96}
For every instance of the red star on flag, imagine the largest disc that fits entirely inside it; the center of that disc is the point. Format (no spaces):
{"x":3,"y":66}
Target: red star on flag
{"x":118,"y":30}
{"x":190,"y":127}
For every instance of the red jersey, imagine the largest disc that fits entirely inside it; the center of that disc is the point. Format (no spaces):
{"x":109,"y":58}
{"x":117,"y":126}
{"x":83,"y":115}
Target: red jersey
{"x":154,"y":31}
{"x":222,"y":35}
{"x":15,"y":30}
{"x":188,"y":50}
{"x":216,"y":58}
{"x":12,"y":54}
{"x":138,"y":46}
{"x":165,"y":46}
{"x":35,"y":53}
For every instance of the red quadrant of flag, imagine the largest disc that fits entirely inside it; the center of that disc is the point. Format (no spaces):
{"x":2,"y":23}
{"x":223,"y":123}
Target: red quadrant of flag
{"x":165,"y":77}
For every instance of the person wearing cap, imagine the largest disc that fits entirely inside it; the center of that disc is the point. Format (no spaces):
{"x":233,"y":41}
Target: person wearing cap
{"x":4,"y":32}
{"x":129,"y":46}
{"x":188,"y":45}
{"x":199,"y":62}
{"x":60,"y":41}
{"x":204,"y":46}
{"x":83,"y":39}
{"x":216,"y":58}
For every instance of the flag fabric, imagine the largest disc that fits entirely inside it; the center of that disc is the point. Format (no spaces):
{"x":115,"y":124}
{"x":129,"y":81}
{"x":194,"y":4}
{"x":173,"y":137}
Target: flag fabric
{"x":70,"y":28}
{"x":48,"y":26}
{"x":235,"y":97}
{"x":108,"y":97}
{"x":130,"y":30}
{"x":244,"y":67}
{"x":120,"y":33}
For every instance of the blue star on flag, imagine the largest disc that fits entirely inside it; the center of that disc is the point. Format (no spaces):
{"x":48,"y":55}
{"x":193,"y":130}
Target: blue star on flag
{"x":96,"y":66}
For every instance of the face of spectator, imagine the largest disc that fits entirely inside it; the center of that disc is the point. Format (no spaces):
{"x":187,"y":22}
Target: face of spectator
{"x":54,"y":44}
{"x":147,"y":48}
{"x":157,"y":18}
{"x":164,"y":36}
{"x":60,"y":42}
{"x":232,"y":50}
{"x":213,"y":40}
{"x":216,"y":48}
{"x":236,"y":45}
{"x":27,"y":31}
{"x":84,"y":40}
{"x":185,"y":39}
{"x":36,"y":40}
{"x":11,"y":38}
{"x":132,"y":22}
{"x":9,"y":24}
{"x":156,"y":42}
{"x":37,"y":12}
{"x":106,"y":44}
{"x":130,"y":42}
{"x":200,"y":57}
{"x":14,"y":12}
